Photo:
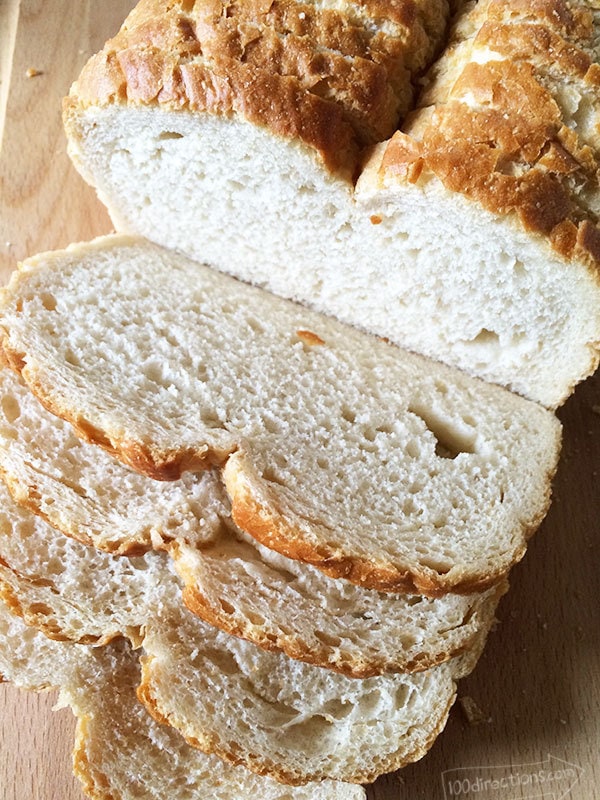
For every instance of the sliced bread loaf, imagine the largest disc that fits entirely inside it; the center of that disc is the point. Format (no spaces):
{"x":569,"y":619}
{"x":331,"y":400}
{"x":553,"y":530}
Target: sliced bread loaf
{"x":230,"y":581}
{"x":472,"y":237}
{"x":337,"y":448}
{"x":121,"y":753}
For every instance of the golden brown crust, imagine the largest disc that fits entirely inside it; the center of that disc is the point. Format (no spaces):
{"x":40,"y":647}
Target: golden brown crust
{"x":332,"y":78}
{"x":501,"y":132}
{"x":95,"y":784}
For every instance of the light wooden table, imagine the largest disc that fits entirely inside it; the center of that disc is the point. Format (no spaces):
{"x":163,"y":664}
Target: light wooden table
{"x":538,"y":682}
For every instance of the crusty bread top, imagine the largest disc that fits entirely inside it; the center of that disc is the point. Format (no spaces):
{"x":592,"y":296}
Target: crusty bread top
{"x":334,"y":76}
{"x":338,"y":449}
{"x":510,"y":119}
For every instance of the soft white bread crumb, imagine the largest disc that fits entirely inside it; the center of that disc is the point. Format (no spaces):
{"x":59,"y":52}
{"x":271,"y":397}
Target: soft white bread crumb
{"x":230,"y":580}
{"x":337,"y":448}
{"x":69,"y":590}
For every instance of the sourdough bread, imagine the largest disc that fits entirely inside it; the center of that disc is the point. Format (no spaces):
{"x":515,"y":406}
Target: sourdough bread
{"x":230,"y":580}
{"x":337,"y":448}
{"x":471,"y":236}
{"x":121,"y":753}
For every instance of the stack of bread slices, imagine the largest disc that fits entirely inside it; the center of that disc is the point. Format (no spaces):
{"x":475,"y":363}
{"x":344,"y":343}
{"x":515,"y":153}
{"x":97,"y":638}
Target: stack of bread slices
{"x":255,"y":526}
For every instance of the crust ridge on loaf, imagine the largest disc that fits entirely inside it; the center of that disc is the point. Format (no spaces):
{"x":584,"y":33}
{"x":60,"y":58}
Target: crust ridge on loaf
{"x":539,"y":159}
{"x":334,"y":76}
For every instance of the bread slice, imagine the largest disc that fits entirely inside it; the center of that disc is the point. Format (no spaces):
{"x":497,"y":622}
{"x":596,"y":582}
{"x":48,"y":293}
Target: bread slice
{"x":92,"y":497}
{"x":337,"y":448}
{"x":285,"y":718}
{"x":230,"y":581}
{"x":285,"y":606}
{"x":70,"y":591}
{"x":472,"y":237}
{"x":121,"y":753}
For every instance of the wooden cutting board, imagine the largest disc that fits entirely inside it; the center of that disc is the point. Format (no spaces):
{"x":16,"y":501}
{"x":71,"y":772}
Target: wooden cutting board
{"x":538,"y":683}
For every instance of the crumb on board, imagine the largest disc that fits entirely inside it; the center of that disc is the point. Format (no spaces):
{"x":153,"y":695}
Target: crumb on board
{"x":31,"y":72}
{"x":596,"y":409}
{"x":471,"y":711}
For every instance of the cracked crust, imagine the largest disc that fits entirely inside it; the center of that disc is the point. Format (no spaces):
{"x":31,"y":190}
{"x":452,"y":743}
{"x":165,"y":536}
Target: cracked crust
{"x":335,"y":79}
{"x":510,"y":120}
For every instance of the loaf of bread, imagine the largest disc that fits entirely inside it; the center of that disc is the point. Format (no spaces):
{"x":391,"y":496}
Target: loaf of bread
{"x":337,"y":448}
{"x":121,"y":753}
{"x":230,"y":581}
{"x":225,"y":695}
{"x":471,"y":236}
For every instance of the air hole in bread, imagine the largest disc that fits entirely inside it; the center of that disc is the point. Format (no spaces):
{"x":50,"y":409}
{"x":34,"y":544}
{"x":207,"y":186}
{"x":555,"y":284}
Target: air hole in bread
{"x":10,"y":408}
{"x":326,"y":638}
{"x":165,"y":135}
{"x":72,"y":359}
{"x":256,"y":325}
{"x":369,"y":434}
{"x":273,"y":425}
{"x":209,"y":418}
{"x":226,"y":607}
{"x":450,"y":442}
{"x":348,"y":415}
{"x":48,"y":301}
{"x":486,"y":337}
{"x":337,"y":709}
{"x":255,"y":619}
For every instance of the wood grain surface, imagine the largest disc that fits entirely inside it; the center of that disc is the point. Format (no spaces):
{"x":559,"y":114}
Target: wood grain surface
{"x":538,"y":682}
